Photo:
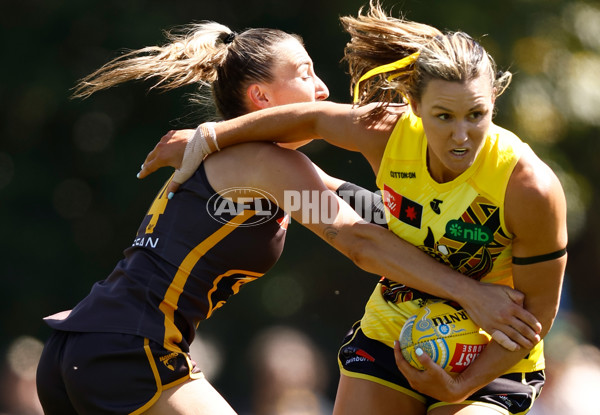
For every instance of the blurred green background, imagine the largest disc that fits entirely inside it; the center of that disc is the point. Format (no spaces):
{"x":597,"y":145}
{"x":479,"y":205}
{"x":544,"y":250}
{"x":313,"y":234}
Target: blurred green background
{"x":70,"y":201}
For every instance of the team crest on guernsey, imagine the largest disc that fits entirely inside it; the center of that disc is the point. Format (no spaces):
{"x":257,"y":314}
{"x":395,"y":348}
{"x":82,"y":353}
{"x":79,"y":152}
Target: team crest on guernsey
{"x":402,"y":208}
{"x":471,"y":243}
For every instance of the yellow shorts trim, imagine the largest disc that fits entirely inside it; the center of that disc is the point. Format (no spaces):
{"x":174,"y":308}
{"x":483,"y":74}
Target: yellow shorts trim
{"x":471,"y":403}
{"x":391,"y":385}
{"x":159,"y":387}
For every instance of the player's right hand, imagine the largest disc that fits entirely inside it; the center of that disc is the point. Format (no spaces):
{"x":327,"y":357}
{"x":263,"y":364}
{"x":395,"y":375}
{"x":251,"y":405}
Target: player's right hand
{"x":499,"y":310}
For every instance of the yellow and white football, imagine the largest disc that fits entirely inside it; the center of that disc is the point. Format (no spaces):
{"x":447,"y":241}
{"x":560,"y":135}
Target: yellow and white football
{"x":444,"y":331}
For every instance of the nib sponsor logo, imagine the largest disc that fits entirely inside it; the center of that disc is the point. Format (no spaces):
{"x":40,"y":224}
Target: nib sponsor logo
{"x":469,"y":232}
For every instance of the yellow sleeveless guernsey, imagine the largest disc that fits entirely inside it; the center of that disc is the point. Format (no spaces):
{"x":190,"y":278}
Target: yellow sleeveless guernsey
{"x":460,"y":223}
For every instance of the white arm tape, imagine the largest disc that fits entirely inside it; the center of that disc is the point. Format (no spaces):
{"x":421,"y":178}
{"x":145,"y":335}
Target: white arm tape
{"x":195,"y":151}
{"x":208,"y":130}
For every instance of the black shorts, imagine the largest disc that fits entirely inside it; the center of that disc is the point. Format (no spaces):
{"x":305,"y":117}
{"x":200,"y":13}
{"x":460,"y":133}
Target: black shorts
{"x":106,"y":373}
{"x":365,"y":358}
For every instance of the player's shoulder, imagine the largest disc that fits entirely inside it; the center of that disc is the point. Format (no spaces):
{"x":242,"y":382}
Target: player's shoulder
{"x":532,"y":178}
{"x":250,"y":164}
{"x":534,"y":197}
{"x":242,"y":155}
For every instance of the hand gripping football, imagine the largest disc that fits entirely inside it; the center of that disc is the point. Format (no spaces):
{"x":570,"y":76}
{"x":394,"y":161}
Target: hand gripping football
{"x":445,"y":332}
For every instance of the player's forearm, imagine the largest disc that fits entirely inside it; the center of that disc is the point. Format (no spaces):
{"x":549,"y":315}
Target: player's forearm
{"x":332,"y":183}
{"x":542,"y":301}
{"x":542,"y":285}
{"x":283,"y":124}
{"x":381,"y":252}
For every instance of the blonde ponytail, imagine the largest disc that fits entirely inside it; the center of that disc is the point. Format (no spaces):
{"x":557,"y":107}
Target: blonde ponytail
{"x":192,"y":56}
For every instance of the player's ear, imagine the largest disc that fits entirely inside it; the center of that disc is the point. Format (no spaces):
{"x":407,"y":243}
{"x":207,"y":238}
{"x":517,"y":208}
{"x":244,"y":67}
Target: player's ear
{"x":258,"y":96}
{"x":415,"y":107}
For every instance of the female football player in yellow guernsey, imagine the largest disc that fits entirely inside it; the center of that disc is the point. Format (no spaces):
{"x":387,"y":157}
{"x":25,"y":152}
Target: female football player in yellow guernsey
{"x":123,"y":349}
{"x":462,"y":189}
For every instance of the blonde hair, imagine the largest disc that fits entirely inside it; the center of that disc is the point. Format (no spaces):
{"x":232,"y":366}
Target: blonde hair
{"x":206,"y":54}
{"x":378,"y":39}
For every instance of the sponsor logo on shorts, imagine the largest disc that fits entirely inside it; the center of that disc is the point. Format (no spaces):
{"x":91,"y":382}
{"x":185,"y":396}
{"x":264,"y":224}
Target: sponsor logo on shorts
{"x":352,"y":354}
{"x":516,"y":399}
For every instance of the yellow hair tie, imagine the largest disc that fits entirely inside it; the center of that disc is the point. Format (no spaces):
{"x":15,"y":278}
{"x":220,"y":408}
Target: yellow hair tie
{"x":399,"y":64}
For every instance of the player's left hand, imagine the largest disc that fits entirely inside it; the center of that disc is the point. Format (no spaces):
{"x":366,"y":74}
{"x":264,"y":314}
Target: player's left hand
{"x":433,"y":381}
{"x":168,"y":152}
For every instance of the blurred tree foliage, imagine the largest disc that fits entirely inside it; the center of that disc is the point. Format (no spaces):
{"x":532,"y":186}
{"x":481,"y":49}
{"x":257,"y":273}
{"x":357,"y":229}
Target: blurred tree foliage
{"x":71,"y":202}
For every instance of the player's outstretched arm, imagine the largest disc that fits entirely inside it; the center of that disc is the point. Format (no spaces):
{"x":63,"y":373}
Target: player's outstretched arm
{"x":508,"y":322}
{"x":373,"y":248}
{"x":341,"y":124}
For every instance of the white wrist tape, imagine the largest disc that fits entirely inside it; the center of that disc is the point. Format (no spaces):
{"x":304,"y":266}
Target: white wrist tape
{"x":196,"y":150}
{"x":208,"y":130}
